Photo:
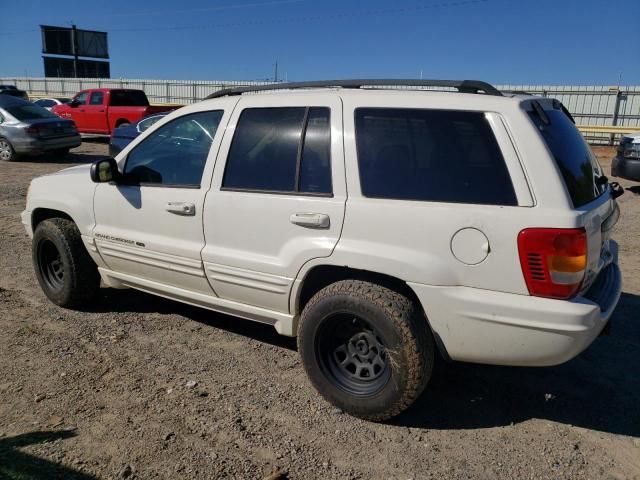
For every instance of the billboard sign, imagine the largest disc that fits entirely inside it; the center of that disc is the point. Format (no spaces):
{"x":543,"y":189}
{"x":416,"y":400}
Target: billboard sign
{"x":64,"y":67}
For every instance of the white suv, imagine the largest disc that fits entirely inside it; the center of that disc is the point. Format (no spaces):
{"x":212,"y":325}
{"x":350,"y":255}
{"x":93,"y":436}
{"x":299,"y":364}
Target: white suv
{"x":380,"y":222}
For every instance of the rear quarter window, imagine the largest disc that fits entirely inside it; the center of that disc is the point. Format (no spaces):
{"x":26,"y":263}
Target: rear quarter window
{"x":431,"y":155}
{"x":573,"y":156}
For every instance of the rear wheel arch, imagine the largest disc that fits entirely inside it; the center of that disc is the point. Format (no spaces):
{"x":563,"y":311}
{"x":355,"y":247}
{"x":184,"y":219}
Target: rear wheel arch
{"x":122,"y":121}
{"x":322,"y":276}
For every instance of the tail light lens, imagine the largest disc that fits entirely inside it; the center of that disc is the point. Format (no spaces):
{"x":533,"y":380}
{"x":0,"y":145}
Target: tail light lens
{"x":553,"y":260}
{"x":34,"y":130}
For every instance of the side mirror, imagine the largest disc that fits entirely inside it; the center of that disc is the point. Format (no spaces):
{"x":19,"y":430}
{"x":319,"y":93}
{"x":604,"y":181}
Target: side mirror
{"x":104,"y":171}
{"x":73,"y":103}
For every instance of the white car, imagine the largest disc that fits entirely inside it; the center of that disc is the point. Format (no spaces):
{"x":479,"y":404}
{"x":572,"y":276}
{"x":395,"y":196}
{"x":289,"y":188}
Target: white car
{"x":48,"y":103}
{"x":380,"y":226}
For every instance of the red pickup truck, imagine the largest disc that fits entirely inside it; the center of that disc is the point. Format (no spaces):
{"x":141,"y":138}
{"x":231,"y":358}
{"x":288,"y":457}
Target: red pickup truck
{"x":100,"y":110}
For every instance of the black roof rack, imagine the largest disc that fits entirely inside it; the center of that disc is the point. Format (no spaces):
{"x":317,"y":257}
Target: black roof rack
{"x":463,"y":86}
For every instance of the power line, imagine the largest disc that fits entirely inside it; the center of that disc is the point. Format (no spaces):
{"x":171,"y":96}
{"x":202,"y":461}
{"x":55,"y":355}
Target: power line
{"x":311,"y":18}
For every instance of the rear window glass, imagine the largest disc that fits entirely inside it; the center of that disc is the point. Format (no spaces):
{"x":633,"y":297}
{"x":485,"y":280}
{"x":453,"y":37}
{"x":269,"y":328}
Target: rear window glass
{"x":29,"y":112}
{"x":128,"y":98}
{"x":577,"y":163}
{"x":431,"y":155}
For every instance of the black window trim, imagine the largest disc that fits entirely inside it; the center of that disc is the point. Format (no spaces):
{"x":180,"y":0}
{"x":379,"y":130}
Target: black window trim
{"x":191,"y":186}
{"x":448,"y":202}
{"x":301,"y":142}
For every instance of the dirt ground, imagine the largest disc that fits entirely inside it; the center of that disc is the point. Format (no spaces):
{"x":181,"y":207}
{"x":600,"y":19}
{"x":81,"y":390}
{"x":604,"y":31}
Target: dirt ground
{"x":141,"y":387}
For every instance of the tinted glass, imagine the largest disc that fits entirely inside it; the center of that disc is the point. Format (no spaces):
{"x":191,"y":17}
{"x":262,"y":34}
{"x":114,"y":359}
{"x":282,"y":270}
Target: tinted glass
{"x":45,"y":103}
{"x":147,"y":122}
{"x":577,"y":163}
{"x":176,"y":153}
{"x":315,"y":164}
{"x":81,"y":98}
{"x":433,"y":155}
{"x":264,"y":151}
{"x":29,"y":112}
{"x":132,"y":98}
{"x":96,"y":98}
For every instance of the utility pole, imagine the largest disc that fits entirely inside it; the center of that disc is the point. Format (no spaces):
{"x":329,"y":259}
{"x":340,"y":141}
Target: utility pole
{"x":276,"y":72}
{"x":74,"y":43}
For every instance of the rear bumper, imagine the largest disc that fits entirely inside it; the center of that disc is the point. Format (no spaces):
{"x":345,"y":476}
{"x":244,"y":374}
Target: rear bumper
{"x":626,"y":168}
{"x":482,"y":326}
{"x":30,"y":146}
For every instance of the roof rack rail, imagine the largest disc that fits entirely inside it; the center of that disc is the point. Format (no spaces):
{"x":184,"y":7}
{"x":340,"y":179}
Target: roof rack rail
{"x":463,"y":86}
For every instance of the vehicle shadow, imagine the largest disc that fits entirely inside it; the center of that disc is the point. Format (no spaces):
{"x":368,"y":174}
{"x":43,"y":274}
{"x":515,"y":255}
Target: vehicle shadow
{"x":15,"y":464}
{"x":635,"y":189}
{"x":599,"y":390}
{"x":113,"y":300}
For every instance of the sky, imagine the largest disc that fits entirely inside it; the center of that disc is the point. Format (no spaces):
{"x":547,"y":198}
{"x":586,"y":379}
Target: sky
{"x":578,"y":42}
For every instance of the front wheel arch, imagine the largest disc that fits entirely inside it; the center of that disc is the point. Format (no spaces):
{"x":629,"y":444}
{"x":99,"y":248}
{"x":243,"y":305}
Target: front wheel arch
{"x":39,"y":215}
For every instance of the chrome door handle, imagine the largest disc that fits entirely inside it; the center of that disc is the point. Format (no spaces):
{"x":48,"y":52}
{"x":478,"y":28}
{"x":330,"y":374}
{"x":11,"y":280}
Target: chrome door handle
{"x":181,"y":208}
{"x":312,"y":220}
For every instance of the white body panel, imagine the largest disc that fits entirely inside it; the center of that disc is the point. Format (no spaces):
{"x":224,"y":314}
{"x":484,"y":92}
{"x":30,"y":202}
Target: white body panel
{"x":241,"y":254}
{"x":253,"y":250}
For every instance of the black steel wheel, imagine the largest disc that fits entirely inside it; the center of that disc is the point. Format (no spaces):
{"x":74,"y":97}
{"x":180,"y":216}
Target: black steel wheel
{"x":367,"y":349}
{"x":50,"y":265}
{"x":351,"y":352}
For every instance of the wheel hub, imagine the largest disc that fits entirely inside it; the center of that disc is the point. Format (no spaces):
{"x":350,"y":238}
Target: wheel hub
{"x":351,"y":352}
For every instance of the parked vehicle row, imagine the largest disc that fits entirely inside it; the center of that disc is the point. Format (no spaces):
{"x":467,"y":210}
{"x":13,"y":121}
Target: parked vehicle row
{"x":477,"y":226}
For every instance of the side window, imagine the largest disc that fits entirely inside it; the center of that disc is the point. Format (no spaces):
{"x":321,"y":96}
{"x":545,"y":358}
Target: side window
{"x":96,"y":98}
{"x":45,"y":103}
{"x":431,"y":155}
{"x":81,"y":98}
{"x":176,"y":153}
{"x":281,"y":150}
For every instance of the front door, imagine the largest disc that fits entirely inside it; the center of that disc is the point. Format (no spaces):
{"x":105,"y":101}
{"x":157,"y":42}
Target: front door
{"x":78,"y":110}
{"x":278,"y":201}
{"x":96,"y":114}
{"x":149,"y":226}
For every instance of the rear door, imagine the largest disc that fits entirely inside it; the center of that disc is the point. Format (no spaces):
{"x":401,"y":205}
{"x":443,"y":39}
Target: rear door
{"x":278,"y":196}
{"x":96,"y":113}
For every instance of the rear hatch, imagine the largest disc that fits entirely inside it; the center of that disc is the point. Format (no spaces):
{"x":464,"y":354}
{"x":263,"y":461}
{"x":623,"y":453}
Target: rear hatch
{"x":584,"y":179}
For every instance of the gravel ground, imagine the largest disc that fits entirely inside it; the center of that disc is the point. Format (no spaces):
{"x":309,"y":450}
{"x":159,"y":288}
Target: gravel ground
{"x":141,"y":387}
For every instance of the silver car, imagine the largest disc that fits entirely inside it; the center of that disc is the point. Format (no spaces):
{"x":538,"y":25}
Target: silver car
{"x":28,"y":129}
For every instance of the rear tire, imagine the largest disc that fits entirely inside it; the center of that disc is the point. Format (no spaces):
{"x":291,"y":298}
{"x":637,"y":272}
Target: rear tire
{"x":367,"y":349}
{"x":7,"y":153}
{"x":65,"y":271}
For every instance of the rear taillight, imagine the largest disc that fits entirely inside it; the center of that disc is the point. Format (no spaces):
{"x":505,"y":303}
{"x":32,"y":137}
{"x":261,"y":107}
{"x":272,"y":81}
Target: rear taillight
{"x":34,"y":130}
{"x":553,"y":260}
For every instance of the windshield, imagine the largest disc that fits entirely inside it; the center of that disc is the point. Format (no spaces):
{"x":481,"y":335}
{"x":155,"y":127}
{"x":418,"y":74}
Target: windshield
{"x":29,"y":112}
{"x":577,"y":163}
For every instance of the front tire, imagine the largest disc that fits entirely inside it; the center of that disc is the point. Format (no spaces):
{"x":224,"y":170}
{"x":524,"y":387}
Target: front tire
{"x":367,"y":349}
{"x":65,"y":271}
{"x":7,"y":153}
